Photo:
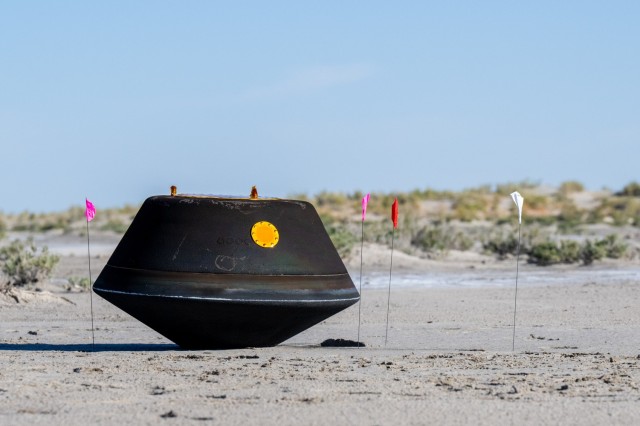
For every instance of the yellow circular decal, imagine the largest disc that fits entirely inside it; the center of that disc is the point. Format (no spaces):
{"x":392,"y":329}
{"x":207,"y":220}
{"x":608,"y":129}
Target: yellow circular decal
{"x":265,"y":234}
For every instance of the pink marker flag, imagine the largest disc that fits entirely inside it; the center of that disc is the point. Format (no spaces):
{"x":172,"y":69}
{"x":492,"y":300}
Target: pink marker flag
{"x":365,"y":202}
{"x":90,"y":211}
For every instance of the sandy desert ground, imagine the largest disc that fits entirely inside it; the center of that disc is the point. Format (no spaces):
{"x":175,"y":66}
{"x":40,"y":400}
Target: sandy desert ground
{"x":448,"y":359}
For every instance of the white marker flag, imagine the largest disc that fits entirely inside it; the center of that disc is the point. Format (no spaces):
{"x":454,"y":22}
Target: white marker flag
{"x":517,"y":198}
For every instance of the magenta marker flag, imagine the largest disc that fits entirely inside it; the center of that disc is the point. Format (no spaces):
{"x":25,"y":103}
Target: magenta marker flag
{"x":365,"y":202}
{"x":90,"y":211}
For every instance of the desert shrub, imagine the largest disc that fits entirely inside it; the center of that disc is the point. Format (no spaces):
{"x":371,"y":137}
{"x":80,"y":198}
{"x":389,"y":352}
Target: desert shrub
{"x":341,"y":237}
{"x":630,"y":190}
{"x":469,"y":206}
{"x":617,"y":210}
{"x":3,"y":229}
{"x":331,"y":199}
{"x":355,"y":196}
{"x":536,"y":201}
{"x":433,"y":194}
{"x":504,"y":242}
{"x":81,"y":283}
{"x":570,"y":186}
{"x":299,"y":196}
{"x":379,"y":232}
{"x":381,"y":203}
{"x":24,"y":222}
{"x":408,"y":224}
{"x":43,"y":222}
{"x":508,"y":188}
{"x":22,"y":264}
{"x":482,"y":189}
{"x":570,"y":217}
{"x":542,"y":220}
{"x":501,"y":244}
{"x":545,"y":253}
{"x":569,"y":251}
{"x":115,"y":225}
{"x":440,"y":239}
{"x":53,"y":222}
{"x":551,"y":253}
{"x":592,"y":251}
{"x":613,"y":248}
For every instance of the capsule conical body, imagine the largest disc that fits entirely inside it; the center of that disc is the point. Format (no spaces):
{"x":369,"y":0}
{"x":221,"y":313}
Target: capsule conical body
{"x":216,"y":273}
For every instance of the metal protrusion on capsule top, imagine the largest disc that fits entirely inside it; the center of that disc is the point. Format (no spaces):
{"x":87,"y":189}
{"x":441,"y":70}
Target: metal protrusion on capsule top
{"x":254,"y":193}
{"x":174,"y":189}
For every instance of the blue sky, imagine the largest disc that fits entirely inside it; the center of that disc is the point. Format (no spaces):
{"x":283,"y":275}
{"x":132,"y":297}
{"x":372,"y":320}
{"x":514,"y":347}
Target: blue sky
{"x":119,"y":100}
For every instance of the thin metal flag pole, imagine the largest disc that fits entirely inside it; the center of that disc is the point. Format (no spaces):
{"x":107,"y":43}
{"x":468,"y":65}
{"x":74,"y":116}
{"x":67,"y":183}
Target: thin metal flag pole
{"x":389,"y":291}
{"x":360,"y":303}
{"x":89,"y":214}
{"x":365,"y":201}
{"x":394,"y":219}
{"x":519,"y":201}
{"x":515,"y":301}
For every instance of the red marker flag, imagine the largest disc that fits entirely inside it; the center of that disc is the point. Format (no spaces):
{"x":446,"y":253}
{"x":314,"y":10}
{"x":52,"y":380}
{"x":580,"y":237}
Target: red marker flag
{"x":90,"y":211}
{"x":365,"y":201}
{"x":394,"y":213}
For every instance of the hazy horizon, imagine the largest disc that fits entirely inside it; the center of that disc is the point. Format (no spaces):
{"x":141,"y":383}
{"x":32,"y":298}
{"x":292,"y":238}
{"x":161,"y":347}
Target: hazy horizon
{"x":522,"y":188}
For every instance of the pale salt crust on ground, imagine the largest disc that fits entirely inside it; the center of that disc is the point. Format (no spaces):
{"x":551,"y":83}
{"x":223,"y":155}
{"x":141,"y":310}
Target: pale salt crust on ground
{"x":448,"y":359}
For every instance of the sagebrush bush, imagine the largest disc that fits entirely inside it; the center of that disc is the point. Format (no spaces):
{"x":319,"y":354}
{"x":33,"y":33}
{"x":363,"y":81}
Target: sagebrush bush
{"x":544,"y":254}
{"x":501,"y":244}
{"x":591,"y":252}
{"x":568,"y":251}
{"x":613,"y":249}
{"x":439,"y":239}
{"x":504,"y":241}
{"x":22,"y":263}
